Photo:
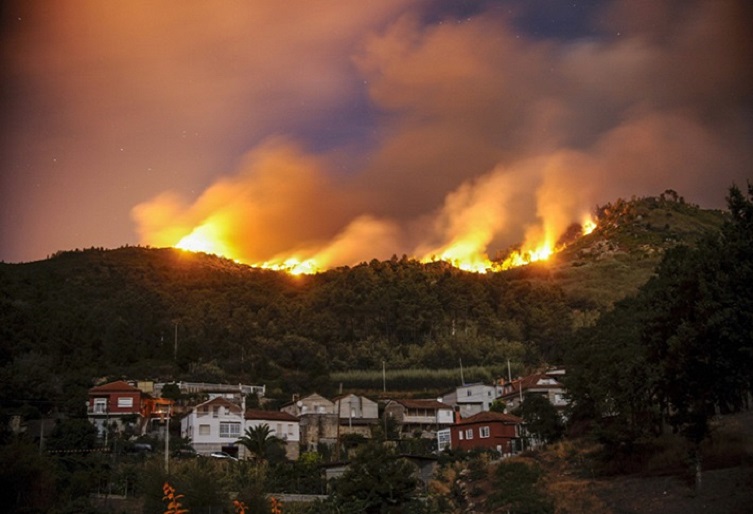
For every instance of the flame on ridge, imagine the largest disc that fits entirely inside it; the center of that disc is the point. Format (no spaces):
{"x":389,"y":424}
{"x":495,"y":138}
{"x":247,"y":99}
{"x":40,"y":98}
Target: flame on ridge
{"x":206,"y":238}
{"x":464,"y":254}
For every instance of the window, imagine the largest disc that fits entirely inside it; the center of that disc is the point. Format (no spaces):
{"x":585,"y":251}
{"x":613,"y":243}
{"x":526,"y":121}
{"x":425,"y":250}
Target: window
{"x":460,"y":435}
{"x":468,"y":392}
{"x":204,"y":430}
{"x":290,"y":430}
{"x":100,"y":405}
{"x":216,"y":412}
{"x":278,"y":430}
{"x":469,"y":433}
{"x":230,"y":429}
{"x":125,"y":402}
{"x":483,"y":432}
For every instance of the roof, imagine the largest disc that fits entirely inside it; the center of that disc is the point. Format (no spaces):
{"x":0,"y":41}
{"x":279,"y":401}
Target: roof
{"x":315,"y":396}
{"x":532,"y":382}
{"x":219,"y":400}
{"x":119,"y":386}
{"x":423,"y":404}
{"x":489,"y":417}
{"x":272,"y":415}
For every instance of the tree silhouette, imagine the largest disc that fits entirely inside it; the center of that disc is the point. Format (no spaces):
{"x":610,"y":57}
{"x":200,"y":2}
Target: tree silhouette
{"x":260,"y":441}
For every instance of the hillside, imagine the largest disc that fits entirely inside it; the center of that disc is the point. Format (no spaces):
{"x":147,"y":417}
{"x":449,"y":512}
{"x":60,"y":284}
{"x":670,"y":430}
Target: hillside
{"x":576,"y":479}
{"x":169,"y":314}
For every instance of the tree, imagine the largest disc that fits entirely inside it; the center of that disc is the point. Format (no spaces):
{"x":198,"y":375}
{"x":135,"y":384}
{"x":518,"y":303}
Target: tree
{"x":260,"y":442}
{"x":377,"y":481}
{"x":541,"y":417}
{"x":700,"y":331}
{"x":611,"y":379}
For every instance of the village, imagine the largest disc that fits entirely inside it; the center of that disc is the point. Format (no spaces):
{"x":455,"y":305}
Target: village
{"x":213,"y":417}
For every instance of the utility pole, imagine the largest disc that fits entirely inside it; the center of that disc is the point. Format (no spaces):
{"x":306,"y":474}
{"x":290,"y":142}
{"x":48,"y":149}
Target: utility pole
{"x":167,"y":441}
{"x":175,"y":345}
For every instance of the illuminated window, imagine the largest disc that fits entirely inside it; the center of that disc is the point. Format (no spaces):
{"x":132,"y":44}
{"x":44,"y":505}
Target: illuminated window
{"x":483,"y":432}
{"x":125,"y":402}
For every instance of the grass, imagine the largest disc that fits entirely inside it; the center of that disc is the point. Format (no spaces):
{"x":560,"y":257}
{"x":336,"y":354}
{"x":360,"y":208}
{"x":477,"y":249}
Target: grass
{"x":423,"y":380}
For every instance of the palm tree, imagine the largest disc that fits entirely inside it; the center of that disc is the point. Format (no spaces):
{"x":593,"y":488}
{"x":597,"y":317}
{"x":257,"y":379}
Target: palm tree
{"x":258,"y":440}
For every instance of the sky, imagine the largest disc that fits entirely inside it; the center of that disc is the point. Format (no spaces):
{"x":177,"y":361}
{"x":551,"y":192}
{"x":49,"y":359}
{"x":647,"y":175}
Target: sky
{"x":346,"y":131}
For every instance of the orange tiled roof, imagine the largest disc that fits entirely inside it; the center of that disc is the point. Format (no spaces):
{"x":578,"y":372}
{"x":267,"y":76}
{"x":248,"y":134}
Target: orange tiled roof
{"x":488,"y":416}
{"x":117,"y":386}
{"x":272,"y":415}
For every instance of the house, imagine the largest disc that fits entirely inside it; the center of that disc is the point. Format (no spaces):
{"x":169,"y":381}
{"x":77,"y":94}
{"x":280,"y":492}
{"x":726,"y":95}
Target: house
{"x":317,"y":418}
{"x":214,"y":425}
{"x":115,"y":404}
{"x":470,"y":399}
{"x":282,"y":424}
{"x":544,"y":384}
{"x":488,"y":430}
{"x":357,"y":414}
{"x":311,"y":404}
{"x":419,"y":416}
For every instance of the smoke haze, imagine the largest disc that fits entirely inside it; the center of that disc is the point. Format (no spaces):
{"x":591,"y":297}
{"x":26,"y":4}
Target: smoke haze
{"x":346,"y":131}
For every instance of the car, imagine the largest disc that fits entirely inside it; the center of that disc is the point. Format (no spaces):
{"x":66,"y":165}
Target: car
{"x":185,"y":453}
{"x":222,"y":455}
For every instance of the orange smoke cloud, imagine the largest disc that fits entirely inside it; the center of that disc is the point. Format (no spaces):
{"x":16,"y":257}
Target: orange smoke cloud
{"x":483,"y":138}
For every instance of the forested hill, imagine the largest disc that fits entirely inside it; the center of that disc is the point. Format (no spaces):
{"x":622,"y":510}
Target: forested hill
{"x":169,"y":314}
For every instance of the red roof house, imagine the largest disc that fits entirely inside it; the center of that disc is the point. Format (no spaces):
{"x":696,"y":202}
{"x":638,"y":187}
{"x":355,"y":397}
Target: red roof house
{"x":117,"y":403}
{"x":491,"y":430}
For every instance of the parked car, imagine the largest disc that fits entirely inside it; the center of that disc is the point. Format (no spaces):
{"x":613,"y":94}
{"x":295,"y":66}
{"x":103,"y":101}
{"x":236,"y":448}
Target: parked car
{"x":222,"y":455}
{"x":185,"y":453}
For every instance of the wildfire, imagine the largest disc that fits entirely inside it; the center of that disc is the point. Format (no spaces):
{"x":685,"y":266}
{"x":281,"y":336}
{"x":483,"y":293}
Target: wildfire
{"x":589,"y":225}
{"x":206,"y":238}
{"x":293,"y":266}
{"x":465,"y":254}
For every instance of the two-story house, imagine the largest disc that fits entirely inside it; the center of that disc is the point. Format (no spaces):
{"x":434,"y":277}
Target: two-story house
{"x":470,"y":399}
{"x":489,"y":430}
{"x":214,"y":425}
{"x":317,"y":418}
{"x":115,"y":404}
{"x":283,"y":425}
{"x":357,"y":414}
{"x":547,"y":385}
{"x":425,"y":417}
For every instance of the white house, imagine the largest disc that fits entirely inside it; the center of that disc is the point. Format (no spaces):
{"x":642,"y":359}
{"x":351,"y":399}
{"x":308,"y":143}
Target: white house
{"x":470,"y":399}
{"x":283,"y":425}
{"x":214,"y":425}
{"x":547,"y":385}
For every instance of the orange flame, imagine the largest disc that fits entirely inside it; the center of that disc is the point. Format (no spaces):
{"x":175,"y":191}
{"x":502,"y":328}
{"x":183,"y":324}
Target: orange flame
{"x":589,"y":225}
{"x":464,"y":254}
